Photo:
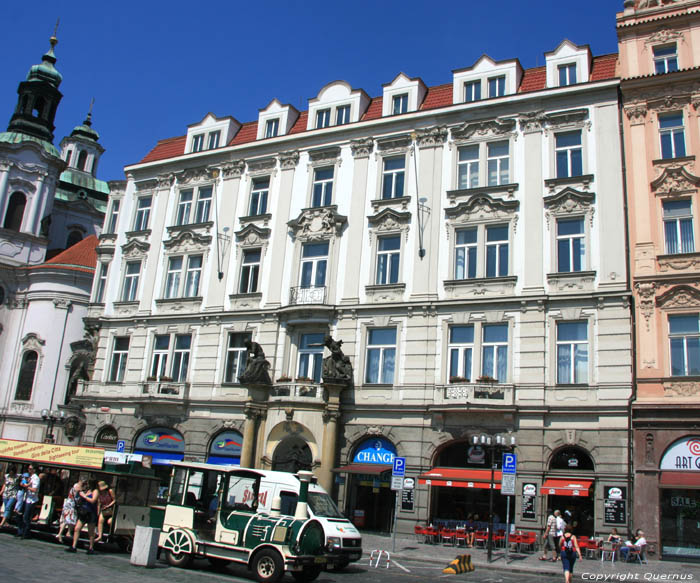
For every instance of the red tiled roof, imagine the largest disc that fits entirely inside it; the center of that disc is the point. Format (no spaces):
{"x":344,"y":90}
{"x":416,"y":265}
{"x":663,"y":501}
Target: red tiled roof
{"x":439,"y":96}
{"x":300,"y":125}
{"x":80,"y":257}
{"x":247,"y":133}
{"x":374,"y":111}
{"x":166,"y":149}
{"x":533,"y":79}
{"x":604,"y":67}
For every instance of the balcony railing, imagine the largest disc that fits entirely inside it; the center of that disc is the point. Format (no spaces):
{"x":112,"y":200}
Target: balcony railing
{"x":307,"y":295}
{"x":296,"y":390}
{"x":476,"y":393}
{"x":165,"y":389}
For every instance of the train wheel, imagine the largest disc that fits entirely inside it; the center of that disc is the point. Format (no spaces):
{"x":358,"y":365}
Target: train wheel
{"x":180,"y":548}
{"x":268,"y":566}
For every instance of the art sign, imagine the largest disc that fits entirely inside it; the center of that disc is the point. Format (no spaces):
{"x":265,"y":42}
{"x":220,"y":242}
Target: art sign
{"x":683,"y":455}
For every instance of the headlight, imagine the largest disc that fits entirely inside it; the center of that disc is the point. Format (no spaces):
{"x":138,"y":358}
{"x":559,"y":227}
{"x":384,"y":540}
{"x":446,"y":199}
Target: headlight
{"x":333,"y":543}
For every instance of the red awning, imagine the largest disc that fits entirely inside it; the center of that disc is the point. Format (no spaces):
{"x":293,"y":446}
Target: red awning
{"x":566,"y":487}
{"x":680,"y":479}
{"x":460,"y":478}
{"x":372,"y":469}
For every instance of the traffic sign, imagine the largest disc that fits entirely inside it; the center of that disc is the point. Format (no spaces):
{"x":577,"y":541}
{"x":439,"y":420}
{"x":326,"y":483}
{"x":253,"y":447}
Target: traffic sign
{"x":396,"y":482}
{"x":399,"y":468}
{"x":510,"y":461}
{"x":508,"y":484}
{"x":121,"y":445}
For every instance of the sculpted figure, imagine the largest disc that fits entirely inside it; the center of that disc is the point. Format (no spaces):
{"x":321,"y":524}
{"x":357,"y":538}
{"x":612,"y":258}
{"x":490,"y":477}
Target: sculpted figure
{"x":336,"y":367}
{"x":256,"y":367}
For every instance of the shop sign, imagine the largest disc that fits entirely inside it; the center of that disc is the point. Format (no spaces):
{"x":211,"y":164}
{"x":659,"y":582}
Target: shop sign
{"x":683,"y":502}
{"x":409,"y":483}
{"x":378,"y":451}
{"x":508,"y":484}
{"x":227,"y":444}
{"x":117,"y":457}
{"x":683,"y":455}
{"x":476,"y":455}
{"x":529,"y":501}
{"x":160,"y":439}
{"x":49,"y":453}
{"x":107,"y":436}
{"x":615,"y":504}
{"x":407,"y":500}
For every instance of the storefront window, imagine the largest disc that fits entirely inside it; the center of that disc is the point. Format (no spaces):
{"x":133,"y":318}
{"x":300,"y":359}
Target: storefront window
{"x":680,"y":522}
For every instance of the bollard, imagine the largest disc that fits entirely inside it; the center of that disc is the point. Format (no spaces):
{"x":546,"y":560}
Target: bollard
{"x":145,"y":549}
{"x":378,"y":554}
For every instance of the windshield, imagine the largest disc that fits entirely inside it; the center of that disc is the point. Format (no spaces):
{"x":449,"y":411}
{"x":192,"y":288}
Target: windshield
{"x":322,"y":505}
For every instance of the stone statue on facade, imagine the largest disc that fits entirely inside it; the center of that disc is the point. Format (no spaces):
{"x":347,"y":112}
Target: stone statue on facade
{"x":256,"y":366}
{"x":336,"y":367}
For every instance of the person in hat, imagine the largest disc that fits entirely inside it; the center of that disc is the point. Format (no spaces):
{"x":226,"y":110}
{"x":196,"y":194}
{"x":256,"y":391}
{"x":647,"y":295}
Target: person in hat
{"x":105,"y":504}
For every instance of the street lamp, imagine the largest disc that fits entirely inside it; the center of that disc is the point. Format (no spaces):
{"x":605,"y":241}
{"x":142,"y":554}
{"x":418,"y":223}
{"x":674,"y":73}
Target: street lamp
{"x":492,"y":443}
{"x":51,"y":418}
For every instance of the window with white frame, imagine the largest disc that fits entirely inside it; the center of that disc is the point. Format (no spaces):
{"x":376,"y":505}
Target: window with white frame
{"x":198,"y":143}
{"x":342,"y":115}
{"x":472,"y":91}
{"x":461,"y":349}
{"x":323,"y":118}
{"x":174,"y":287}
{"x":170,"y":357}
{"x":258,"y":196}
{"x":130,"y":288}
{"x":388,"y":259}
{"x":466,"y":253}
{"x":314,"y":263}
{"x":571,"y":245}
{"x":399,"y":104}
{"x":120,"y":351}
{"x":497,"y":160}
{"x":684,"y":338}
{"x":481,"y":251}
{"x":497,"y":86}
{"x":381,"y":356}
{"x":113,"y":217}
{"x":272,"y":127}
{"x":214,"y":138}
{"x":393,"y":177}
{"x":494,"y":352}
{"x":181,"y":357}
{"x":202,"y":208}
{"x":572,"y":353}
{"x":101,"y":282}
{"x":666,"y":58}
{"x":678,"y":227}
{"x":672,"y":135}
{"x":493,"y":156}
{"x":322,"y":188}
{"x":496,"y":250}
{"x":159,"y":360}
{"x":310,"y":356}
{"x":143,"y":213}
{"x":567,"y":74}
{"x":569,"y":154}
{"x":468,"y":167}
{"x":236,"y":356}
{"x":250,"y":271}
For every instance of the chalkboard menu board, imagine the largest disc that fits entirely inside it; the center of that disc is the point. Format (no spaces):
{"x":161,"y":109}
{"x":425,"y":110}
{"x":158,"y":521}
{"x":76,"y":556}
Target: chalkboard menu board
{"x":529,"y":508}
{"x":615,"y":505}
{"x":407,"y":499}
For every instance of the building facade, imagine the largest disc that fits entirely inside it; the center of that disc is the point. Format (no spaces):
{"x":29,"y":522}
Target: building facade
{"x":660,"y":84}
{"x":463,"y":241}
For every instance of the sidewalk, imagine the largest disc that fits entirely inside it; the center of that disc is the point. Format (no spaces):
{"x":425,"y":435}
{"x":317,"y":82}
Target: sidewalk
{"x":409,"y":548}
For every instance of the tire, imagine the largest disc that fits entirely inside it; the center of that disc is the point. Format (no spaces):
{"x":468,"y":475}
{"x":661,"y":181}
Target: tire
{"x":268,"y":566}
{"x":182,"y":560}
{"x":218,"y":563}
{"x":308,"y":574}
{"x":179,"y":549}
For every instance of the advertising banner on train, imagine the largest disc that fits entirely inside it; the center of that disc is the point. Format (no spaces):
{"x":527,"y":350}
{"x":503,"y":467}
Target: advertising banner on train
{"x":50,"y":453}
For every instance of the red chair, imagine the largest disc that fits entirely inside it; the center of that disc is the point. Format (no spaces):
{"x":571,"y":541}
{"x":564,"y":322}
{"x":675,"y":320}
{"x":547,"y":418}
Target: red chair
{"x":480,"y":538}
{"x":419,"y":531}
{"x":431,"y":534}
{"x":529,"y":541}
{"x":461,"y":535}
{"x":447,"y":535}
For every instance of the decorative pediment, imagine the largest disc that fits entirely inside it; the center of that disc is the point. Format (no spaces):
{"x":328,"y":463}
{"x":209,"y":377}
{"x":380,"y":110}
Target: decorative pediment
{"x":135,"y":249}
{"x":22,"y":184}
{"x":186,"y":241}
{"x":569,"y":201}
{"x":261,"y":165}
{"x":532,"y":121}
{"x":432,"y":137}
{"x":252,"y":235}
{"x":679,"y":297}
{"x":195,"y":175}
{"x":233,"y":169}
{"x":394,"y":144}
{"x":317,"y":224}
{"x":324,"y":155}
{"x":33,"y":341}
{"x":146,"y":185}
{"x":570,"y":117}
{"x":389,"y":220}
{"x":482,"y":206}
{"x":289,"y":160}
{"x":362,"y":148}
{"x":675,"y":181}
{"x":663,"y":35}
{"x":483,"y":129}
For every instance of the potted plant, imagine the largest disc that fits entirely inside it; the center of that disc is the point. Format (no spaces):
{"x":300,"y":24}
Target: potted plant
{"x":304,"y":380}
{"x":487,"y":379}
{"x":458,"y":379}
{"x":284,"y":379}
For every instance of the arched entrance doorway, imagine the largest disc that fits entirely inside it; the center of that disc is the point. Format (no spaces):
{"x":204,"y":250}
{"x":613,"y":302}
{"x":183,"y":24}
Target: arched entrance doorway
{"x":292,"y":454}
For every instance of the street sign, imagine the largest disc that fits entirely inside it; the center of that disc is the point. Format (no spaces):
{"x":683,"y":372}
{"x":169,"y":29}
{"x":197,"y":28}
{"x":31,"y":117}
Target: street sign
{"x":409,"y":483}
{"x":510,"y":461}
{"x":508,"y":484}
{"x":396,"y":482}
{"x":121,"y":445}
{"x":399,"y":468}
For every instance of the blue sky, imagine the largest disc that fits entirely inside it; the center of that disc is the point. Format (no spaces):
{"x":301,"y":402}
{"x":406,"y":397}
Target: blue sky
{"x":154,"y":67}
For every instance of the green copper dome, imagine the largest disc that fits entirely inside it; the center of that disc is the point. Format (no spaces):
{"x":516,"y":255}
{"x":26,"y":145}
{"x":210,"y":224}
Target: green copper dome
{"x":46,"y":70}
{"x":20,"y":138}
{"x":85,"y":130}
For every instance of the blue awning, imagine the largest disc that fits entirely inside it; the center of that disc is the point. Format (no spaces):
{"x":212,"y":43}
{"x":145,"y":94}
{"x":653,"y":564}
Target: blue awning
{"x":162,"y":458}
{"x":224,"y":461}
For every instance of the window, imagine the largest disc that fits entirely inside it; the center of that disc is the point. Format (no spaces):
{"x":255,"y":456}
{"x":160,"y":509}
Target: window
{"x":272,"y":127}
{"x":571,"y":246}
{"x":172,"y":280}
{"x":258,"y":196}
{"x":174,"y":277}
{"x":310,"y":356}
{"x":202,"y":208}
{"x":214,"y":140}
{"x":465,"y":253}
{"x":494,"y":361}
{"x":25,"y":379}
{"x":113,"y":217}
{"x":461,"y":348}
{"x":82,"y":159}
{"x":381,"y":356}
{"x":572,"y":353}
{"x":496,"y":250}
{"x":101,"y":283}
{"x":388,"y":257}
{"x":323,"y":118}
{"x":143,"y":213}
{"x":73,"y":238}
{"x":193,"y":275}
{"x":498,"y":163}
{"x":342,"y":115}
{"x":236,"y":355}
{"x":120,"y":351}
{"x":184,"y":207}
{"x":314,"y":261}
{"x":665,"y":59}
{"x":201,"y":214}
{"x":250,"y":271}
{"x":161,"y":348}
{"x":181,"y":357}
{"x":15,"y":212}
{"x":322,"y":187}
{"x":472,"y":91}
{"x":131,"y":281}
{"x":569,"y":154}
{"x":684,"y":336}
{"x":567,"y":74}
{"x":468,"y":167}
{"x":198,"y":143}
{"x":393,"y":177}
{"x":678,"y":227}
{"x":399,"y":104}
{"x":672,"y":135}
{"x":497,"y":86}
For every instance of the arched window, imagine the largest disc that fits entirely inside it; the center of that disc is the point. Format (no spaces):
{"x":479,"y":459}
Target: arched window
{"x":23,"y":103}
{"x":82,"y":159}
{"x":25,"y":380}
{"x":571,"y":458}
{"x":73,"y":238}
{"x":39,"y":106}
{"x":15,"y":212}
{"x":69,"y":155}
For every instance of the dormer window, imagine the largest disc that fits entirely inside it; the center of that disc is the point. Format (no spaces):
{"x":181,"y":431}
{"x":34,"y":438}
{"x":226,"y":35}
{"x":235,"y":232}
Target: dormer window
{"x":277,"y":120}
{"x":497,"y":86}
{"x":472,"y":91}
{"x":323,"y":118}
{"x":665,"y":59}
{"x":272,"y":127}
{"x":568,"y":64}
{"x":210,"y":133}
{"x":567,"y":74}
{"x":336,"y":104}
{"x":402,"y":95}
{"x":214,"y":140}
{"x":198,"y":143}
{"x":400,"y":104}
{"x":342,"y":115}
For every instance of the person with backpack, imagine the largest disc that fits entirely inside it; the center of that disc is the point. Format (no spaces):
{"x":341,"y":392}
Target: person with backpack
{"x":568,"y":545}
{"x":86,"y":507}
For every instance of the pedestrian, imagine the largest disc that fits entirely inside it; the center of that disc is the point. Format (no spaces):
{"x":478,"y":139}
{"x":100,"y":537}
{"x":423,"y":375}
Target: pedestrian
{"x":68,"y":513}
{"x":105,"y":510}
{"x":31,"y":497}
{"x":549,"y":538}
{"x":19,"y":504}
{"x":569,"y":551}
{"x":86,"y":507}
{"x":561,"y":525}
{"x":10,"y":488}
